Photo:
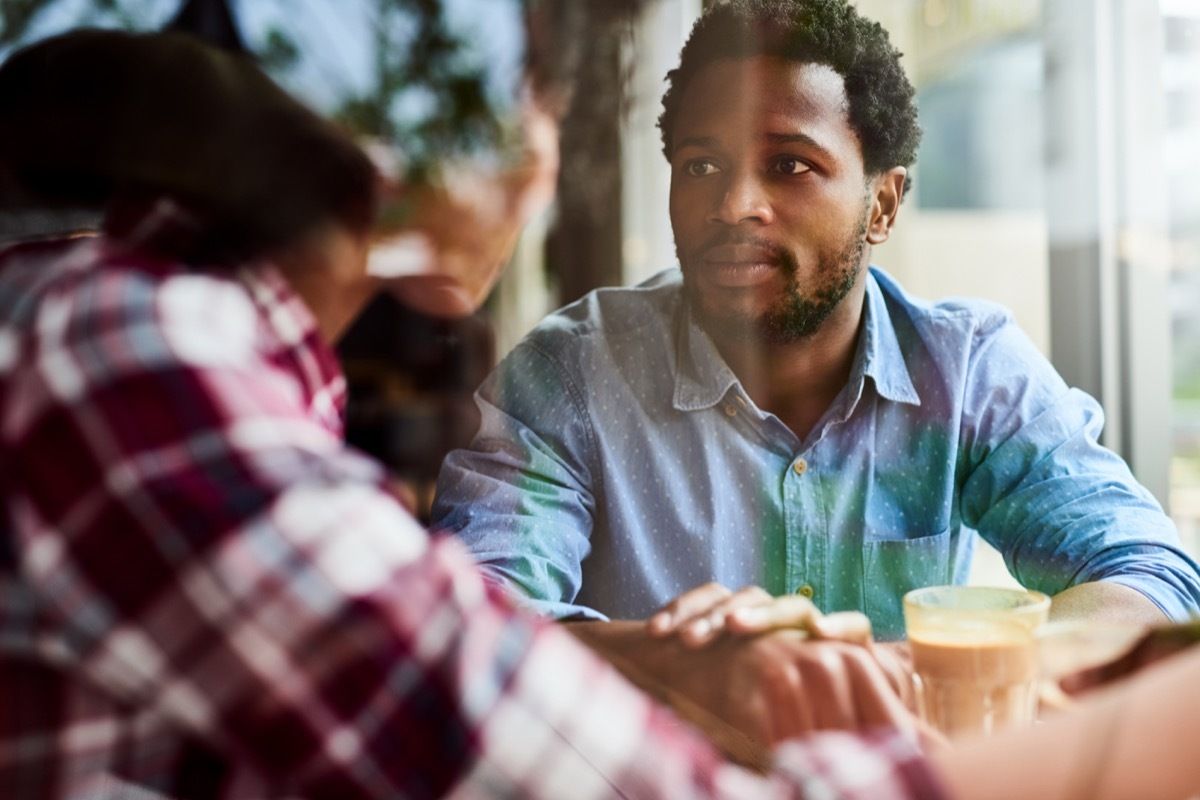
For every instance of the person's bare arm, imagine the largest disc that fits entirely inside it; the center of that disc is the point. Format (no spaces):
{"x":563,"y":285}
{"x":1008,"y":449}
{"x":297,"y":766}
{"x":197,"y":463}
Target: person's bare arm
{"x":1135,"y":740}
{"x":1106,"y":601}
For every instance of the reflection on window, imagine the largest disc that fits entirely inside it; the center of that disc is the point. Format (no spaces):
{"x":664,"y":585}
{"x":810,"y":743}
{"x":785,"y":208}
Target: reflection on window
{"x":1181,"y":82}
{"x":430,"y":78}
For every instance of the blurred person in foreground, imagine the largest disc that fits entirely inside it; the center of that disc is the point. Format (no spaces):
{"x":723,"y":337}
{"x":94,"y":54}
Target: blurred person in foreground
{"x":779,"y":414}
{"x":204,"y":593}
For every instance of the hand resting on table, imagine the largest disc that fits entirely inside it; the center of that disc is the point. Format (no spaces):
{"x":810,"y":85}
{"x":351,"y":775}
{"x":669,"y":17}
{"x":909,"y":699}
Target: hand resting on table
{"x":772,"y":668}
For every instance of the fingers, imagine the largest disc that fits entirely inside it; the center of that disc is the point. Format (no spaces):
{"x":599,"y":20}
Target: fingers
{"x":895,"y":659}
{"x":784,"y":683}
{"x":790,"y":712}
{"x":798,"y":613}
{"x":700,"y":615}
{"x":790,"y":611}
{"x":821,"y":685}
{"x":685,"y":608}
{"x":708,"y":623}
{"x":875,"y":701}
{"x":827,"y":690}
{"x":844,"y":626}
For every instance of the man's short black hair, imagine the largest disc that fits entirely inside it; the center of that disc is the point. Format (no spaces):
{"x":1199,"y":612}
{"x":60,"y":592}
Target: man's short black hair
{"x":831,"y":32}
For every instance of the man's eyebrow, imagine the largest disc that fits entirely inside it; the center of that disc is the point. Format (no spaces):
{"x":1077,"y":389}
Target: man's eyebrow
{"x":697,"y":141}
{"x":710,"y":142}
{"x":798,"y":138}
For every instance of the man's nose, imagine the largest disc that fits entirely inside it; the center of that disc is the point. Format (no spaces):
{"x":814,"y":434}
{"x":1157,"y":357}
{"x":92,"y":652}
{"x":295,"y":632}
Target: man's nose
{"x":743,"y":198}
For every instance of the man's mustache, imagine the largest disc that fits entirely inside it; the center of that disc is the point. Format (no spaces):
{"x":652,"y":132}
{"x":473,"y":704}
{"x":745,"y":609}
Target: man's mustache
{"x":779,"y":254}
{"x":734,"y":238}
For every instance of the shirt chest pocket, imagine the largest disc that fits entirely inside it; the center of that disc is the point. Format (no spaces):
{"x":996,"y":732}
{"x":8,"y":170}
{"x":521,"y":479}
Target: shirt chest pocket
{"x":892,"y":567}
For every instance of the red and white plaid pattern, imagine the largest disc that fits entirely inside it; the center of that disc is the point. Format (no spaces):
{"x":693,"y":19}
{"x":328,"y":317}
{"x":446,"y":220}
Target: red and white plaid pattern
{"x":204,"y":593}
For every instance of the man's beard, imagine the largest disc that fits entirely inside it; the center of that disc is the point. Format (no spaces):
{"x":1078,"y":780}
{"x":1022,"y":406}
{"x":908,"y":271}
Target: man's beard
{"x":796,"y":315}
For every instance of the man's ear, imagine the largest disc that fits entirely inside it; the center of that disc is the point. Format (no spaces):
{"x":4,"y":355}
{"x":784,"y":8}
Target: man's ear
{"x":885,"y":205}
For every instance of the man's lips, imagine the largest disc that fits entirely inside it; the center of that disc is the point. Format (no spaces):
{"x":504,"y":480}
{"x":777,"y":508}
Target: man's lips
{"x":739,"y":254}
{"x":738,"y":265}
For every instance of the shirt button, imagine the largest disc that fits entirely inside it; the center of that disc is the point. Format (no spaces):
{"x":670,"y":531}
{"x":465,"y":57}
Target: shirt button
{"x":805,"y":591}
{"x":800,"y":467}
{"x":730,"y":411}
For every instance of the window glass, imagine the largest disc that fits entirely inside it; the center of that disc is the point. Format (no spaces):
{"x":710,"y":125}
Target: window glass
{"x":1181,"y":83}
{"x":437,"y":81}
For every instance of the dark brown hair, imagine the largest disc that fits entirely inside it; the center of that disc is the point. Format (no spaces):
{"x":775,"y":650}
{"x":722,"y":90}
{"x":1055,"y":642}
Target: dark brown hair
{"x":93,"y":116}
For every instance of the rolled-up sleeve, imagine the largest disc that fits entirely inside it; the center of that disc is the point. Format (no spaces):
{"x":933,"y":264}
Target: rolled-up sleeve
{"x":1039,"y":486}
{"x":522,"y":497}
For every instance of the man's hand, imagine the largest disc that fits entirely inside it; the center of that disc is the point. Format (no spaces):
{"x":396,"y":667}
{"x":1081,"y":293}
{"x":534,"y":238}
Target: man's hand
{"x":770,"y":686}
{"x":781,"y":684}
{"x":769,"y":677}
{"x":1156,"y":644}
{"x":701,"y":615}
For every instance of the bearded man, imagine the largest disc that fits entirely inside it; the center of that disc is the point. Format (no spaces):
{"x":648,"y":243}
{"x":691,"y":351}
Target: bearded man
{"x":779,"y":414}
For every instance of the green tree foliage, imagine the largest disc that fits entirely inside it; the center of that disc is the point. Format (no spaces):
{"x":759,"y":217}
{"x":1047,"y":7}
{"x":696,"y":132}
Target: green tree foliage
{"x":429,"y":95}
{"x":15,"y":18}
{"x":19,"y":18}
{"x":428,"y":91}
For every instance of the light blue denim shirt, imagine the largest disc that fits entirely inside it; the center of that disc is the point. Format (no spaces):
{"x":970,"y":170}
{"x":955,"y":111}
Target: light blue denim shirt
{"x":620,"y":462}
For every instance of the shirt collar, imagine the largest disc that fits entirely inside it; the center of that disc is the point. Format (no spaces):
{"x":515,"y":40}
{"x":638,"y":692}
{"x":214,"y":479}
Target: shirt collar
{"x":703,"y":379}
{"x":879,"y":353}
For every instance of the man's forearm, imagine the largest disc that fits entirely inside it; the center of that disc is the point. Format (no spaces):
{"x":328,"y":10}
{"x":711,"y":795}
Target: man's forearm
{"x":1106,"y":601}
{"x":644,"y":660}
{"x":619,"y":637}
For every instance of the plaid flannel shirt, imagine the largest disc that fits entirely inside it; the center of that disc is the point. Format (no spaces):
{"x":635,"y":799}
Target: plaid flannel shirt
{"x":205,"y":593}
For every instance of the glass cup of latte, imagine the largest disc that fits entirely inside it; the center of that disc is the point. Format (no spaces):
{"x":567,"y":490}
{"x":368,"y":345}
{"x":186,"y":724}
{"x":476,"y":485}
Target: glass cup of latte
{"x":975,"y":656}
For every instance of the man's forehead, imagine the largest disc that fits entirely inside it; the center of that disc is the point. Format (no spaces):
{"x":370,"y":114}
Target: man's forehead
{"x":763,"y":91}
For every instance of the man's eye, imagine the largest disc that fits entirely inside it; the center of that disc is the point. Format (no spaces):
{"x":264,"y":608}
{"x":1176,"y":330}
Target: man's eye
{"x":700,"y":168}
{"x":791,"y":166}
